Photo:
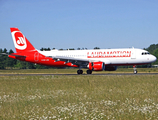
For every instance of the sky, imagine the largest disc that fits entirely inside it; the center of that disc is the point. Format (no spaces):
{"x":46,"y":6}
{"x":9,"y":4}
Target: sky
{"x":80,"y":23}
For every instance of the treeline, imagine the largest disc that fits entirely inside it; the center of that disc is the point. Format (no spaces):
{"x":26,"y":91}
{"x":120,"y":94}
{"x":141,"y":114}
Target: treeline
{"x":9,"y":63}
{"x":5,"y":61}
{"x":48,"y":49}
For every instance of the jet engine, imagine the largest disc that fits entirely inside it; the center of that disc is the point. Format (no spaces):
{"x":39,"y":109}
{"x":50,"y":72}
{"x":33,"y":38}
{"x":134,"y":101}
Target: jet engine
{"x":96,"y":66}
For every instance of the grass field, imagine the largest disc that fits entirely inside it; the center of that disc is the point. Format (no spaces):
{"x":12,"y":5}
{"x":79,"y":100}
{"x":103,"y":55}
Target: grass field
{"x":79,"y":97}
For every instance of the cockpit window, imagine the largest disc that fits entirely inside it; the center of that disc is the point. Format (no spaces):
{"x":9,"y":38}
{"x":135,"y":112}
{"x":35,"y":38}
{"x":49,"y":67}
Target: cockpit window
{"x":145,"y":53}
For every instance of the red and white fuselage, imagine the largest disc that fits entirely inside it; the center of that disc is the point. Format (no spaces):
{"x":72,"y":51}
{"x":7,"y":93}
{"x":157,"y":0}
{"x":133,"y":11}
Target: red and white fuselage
{"x":94,"y":60}
{"x":129,"y":56}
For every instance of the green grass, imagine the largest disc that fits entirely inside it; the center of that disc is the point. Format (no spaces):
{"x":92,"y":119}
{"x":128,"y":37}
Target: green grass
{"x":79,"y":97}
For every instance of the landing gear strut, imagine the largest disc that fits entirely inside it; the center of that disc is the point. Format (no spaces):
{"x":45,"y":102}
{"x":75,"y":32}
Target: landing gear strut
{"x":134,"y":69}
{"x":79,"y":71}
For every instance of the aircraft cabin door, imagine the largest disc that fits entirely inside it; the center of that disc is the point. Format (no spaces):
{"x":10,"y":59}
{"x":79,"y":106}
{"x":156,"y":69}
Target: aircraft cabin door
{"x":36,"y":56}
{"x":133,"y":54}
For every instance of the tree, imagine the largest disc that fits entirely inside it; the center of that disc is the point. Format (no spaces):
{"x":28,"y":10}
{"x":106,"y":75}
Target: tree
{"x":71,"y":49}
{"x":45,"y":49}
{"x":155,"y":53}
{"x":1,"y":60}
{"x":61,"y":49}
{"x":4,"y":58}
{"x":42,"y":67}
{"x":96,"y":48}
{"x":48,"y":49}
{"x":11,"y":51}
{"x":9,"y":62}
{"x":20,"y":64}
{"x":41,"y":49}
{"x":1,"y":50}
{"x":5,"y":50}
{"x":30,"y":65}
{"x":152,"y":48}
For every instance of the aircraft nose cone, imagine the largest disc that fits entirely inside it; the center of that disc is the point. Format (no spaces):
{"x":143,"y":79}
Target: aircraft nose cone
{"x":153,"y":58}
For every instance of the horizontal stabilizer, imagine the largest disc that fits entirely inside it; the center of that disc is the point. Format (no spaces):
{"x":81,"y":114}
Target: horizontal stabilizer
{"x":12,"y":55}
{"x":17,"y":55}
{"x":4,"y":54}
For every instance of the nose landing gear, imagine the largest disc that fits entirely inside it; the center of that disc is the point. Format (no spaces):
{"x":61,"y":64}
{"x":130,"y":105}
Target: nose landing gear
{"x":134,"y":69}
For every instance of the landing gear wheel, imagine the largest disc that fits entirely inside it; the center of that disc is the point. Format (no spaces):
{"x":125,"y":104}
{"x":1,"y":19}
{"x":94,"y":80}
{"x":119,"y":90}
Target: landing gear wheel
{"x":79,"y":71}
{"x":89,"y":71}
{"x":135,"y":71}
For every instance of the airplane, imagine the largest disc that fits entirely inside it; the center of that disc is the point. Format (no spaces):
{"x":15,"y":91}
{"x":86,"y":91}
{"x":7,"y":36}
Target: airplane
{"x":94,"y":59}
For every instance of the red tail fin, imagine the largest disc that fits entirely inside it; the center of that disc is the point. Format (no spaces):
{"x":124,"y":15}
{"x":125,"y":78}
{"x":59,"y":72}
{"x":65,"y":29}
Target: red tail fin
{"x":20,"y":41}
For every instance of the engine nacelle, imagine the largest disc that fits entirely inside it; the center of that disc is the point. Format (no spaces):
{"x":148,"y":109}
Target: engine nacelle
{"x":110,"y":68}
{"x":96,"y":66}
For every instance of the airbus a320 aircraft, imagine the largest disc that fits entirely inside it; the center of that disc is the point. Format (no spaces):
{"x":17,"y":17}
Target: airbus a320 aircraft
{"x":94,"y":60}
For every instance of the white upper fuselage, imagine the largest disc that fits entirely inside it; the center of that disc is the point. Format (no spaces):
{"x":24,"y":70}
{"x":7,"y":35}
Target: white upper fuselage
{"x":128,"y":56}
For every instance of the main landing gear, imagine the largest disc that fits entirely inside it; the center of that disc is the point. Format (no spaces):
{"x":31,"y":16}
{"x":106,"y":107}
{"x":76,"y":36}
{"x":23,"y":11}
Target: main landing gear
{"x":89,"y":71}
{"x":134,"y":69}
{"x":81,"y":71}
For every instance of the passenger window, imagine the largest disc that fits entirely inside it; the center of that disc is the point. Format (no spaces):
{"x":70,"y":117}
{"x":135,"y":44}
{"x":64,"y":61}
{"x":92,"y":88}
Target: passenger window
{"x":146,"y":53}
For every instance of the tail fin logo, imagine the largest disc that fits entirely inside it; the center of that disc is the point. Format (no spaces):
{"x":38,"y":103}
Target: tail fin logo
{"x":19,"y":40}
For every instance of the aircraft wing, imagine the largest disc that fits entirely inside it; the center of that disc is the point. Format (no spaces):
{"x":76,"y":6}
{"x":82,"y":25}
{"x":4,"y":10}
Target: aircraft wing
{"x":75,"y":61}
